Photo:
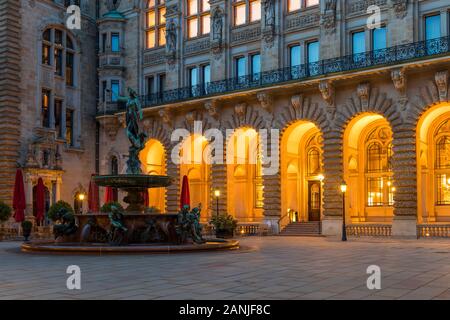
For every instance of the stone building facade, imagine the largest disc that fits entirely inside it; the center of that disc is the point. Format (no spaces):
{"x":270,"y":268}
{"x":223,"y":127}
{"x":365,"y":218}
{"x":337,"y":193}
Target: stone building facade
{"x":312,"y":88}
{"x":47,"y":99}
{"x":357,"y":104}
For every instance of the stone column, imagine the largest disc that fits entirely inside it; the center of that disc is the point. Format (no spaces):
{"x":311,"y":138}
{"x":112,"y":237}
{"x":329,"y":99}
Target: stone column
{"x":330,"y":31}
{"x":333,"y":172}
{"x":405,"y":181}
{"x":173,"y":54}
{"x":173,"y":191}
{"x":401,"y":22}
{"x":219,"y":182}
{"x":270,"y":42}
{"x":219,"y":38}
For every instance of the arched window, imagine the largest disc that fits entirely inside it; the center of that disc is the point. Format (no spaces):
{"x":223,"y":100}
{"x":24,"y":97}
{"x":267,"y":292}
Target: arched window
{"x":442,"y":164}
{"x":313,"y":162}
{"x":198,"y":18}
{"x":380,"y":189}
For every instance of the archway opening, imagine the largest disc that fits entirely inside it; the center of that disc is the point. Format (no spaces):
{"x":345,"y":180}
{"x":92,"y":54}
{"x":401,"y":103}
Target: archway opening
{"x":301,"y":173}
{"x":153,"y":158}
{"x":433,"y":165}
{"x":244,"y":176}
{"x":195,"y":166}
{"x":368,"y":169}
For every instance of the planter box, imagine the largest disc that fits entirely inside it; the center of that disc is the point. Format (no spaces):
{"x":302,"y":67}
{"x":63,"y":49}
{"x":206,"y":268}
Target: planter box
{"x":225,"y":234}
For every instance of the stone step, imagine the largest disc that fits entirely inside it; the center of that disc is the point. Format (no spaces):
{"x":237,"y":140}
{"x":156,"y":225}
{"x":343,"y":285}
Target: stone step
{"x":302,"y":229}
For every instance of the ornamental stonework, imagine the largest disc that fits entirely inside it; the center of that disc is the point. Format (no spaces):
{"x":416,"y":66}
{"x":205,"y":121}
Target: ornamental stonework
{"x":246,"y":35}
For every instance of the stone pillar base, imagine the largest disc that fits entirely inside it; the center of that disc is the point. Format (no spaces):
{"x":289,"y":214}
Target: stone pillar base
{"x":332,"y":226}
{"x":272,"y":223}
{"x":404,"y":227}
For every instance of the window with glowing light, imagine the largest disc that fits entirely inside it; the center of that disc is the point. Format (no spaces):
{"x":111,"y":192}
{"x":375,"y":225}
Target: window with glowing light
{"x":198,"y":18}
{"x":294,"y":5}
{"x":442,"y":164}
{"x":246,"y":11}
{"x":155,"y":23}
{"x":379,"y":184}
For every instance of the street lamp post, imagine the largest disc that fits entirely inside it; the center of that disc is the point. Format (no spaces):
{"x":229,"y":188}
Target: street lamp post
{"x":217,"y":195}
{"x":344,"y":229}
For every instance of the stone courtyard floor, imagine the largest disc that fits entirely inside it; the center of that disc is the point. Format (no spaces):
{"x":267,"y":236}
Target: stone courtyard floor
{"x":264,"y":268}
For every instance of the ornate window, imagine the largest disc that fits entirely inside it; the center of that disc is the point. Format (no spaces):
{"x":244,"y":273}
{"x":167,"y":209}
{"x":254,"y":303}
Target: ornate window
{"x":378,"y":148}
{"x":442,"y":164}
{"x":198,"y":18}
{"x":313,"y":162}
{"x":155,"y":23}
{"x":246,"y":11}
{"x":294,"y":5}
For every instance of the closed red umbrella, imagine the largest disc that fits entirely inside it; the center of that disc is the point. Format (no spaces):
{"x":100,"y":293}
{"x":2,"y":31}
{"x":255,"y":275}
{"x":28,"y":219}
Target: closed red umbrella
{"x":146,"y":198}
{"x":93,"y":201}
{"x":185,"y":199}
{"x":19,"y":203}
{"x":40,"y":200}
{"x":109,"y":195}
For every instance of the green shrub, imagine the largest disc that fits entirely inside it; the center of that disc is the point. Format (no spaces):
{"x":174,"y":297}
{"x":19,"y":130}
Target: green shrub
{"x":106,"y":208}
{"x":5,"y":212}
{"x":224,"y":222}
{"x":27,"y":225}
{"x":52,"y":212}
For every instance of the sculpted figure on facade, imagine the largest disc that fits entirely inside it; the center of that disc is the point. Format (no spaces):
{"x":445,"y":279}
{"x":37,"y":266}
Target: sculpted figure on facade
{"x":171,"y":40}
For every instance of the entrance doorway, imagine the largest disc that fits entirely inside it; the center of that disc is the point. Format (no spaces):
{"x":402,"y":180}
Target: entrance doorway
{"x":314,"y":200}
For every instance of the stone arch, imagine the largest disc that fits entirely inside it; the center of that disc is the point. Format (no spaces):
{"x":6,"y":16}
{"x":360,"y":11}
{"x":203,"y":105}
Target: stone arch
{"x":155,"y":130}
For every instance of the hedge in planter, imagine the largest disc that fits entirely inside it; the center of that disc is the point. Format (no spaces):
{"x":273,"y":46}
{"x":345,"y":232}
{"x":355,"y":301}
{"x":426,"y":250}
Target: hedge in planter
{"x":5,"y":212}
{"x":53,"y":211}
{"x":225,"y":225}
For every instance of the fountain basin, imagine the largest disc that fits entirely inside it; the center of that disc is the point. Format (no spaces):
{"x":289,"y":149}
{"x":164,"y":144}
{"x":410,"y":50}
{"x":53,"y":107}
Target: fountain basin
{"x":77,"y":248}
{"x":133,"y":181}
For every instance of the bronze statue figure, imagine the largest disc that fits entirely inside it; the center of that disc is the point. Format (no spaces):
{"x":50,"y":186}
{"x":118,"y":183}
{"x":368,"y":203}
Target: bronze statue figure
{"x":67,"y":226}
{"x":117,"y":231}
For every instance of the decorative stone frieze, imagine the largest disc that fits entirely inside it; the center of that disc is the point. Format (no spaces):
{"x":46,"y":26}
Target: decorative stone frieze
{"x":399,"y":79}
{"x":166,"y":117}
{"x":266,"y":100}
{"x":400,"y":8}
{"x":363,"y":92}
{"x":328,"y":94}
{"x":211,"y":108}
{"x":246,"y":34}
{"x":441,"y":79}
{"x":299,"y":21}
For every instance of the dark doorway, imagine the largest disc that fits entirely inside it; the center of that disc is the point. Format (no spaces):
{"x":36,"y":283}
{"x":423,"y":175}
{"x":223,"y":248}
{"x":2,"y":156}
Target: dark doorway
{"x":314,"y":200}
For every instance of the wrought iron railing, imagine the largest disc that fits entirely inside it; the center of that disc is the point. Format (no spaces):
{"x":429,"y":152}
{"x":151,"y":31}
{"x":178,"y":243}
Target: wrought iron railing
{"x":384,"y":57}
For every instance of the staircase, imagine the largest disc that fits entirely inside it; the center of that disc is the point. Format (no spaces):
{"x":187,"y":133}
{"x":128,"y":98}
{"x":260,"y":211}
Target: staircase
{"x":305,"y":229}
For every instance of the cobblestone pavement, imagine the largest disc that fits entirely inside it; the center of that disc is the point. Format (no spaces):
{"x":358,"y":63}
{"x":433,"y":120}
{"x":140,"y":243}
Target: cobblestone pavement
{"x":264,"y":268}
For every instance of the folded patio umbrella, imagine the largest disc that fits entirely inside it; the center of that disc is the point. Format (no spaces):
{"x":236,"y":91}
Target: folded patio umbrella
{"x":109,"y":195}
{"x":40,"y":200}
{"x":185,"y":199}
{"x":19,"y":203}
{"x":93,"y":200}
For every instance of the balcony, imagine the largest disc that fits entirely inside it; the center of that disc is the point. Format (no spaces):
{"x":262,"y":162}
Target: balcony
{"x":406,"y":53}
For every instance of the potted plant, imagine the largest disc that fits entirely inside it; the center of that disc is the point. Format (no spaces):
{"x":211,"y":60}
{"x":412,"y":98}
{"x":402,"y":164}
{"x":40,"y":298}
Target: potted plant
{"x":5,"y":214}
{"x":225,"y":225}
{"x":53,"y":211}
{"x":27,"y":226}
{"x":106,"y":208}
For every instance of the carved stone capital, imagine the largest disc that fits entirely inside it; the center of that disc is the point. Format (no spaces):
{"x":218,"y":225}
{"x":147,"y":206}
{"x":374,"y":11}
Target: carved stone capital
{"x":400,"y":8}
{"x":297,"y":101}
{"x":441,"y":79}
{"x":166,"y":117}
{"x":363,"y":92}
{"x":328,"y":93}
{"x":240,"y":109}
{"x":266,"y":100}
{"x":399,"y":79}
{"x":211,"y":107}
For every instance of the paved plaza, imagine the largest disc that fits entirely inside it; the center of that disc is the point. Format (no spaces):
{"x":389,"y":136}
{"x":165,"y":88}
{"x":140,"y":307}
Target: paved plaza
{"x":264,"y":268}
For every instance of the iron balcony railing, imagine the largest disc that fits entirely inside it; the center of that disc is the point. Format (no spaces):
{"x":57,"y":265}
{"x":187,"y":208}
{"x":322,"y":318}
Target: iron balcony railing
{"x":384,"y":57}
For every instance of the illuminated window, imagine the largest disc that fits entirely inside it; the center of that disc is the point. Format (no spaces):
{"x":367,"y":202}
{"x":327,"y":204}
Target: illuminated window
{"x":442,"y":163}
{"x":294,"y":5}
{"x":198,"y":18}
{"x":45,"y":113}
{"x":380,"y":188}
{"x":246,"y":11}
{"x":155,"y":24}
